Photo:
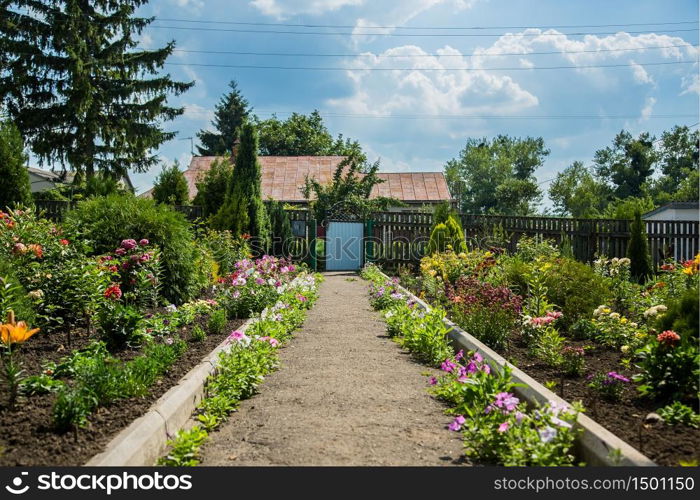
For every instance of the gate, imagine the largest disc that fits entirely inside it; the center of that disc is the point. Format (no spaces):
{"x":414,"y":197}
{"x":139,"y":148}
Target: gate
{"x":344,"y":246}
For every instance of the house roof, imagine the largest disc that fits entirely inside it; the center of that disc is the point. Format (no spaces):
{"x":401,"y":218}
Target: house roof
{"x":674,"y":205}
{"x":284,"y":176}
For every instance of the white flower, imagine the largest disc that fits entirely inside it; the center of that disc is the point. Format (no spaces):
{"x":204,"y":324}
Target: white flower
{"x":547,"y":434}
{"x":171,"y":308}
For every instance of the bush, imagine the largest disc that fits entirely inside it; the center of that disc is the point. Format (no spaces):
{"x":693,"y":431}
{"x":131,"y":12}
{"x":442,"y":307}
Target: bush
{"x":13,"y":296}
{"x":670,"y":361}
{"x":171,"y":186}
{"x":487,"y":312}
{"x":225,"y":249}
{"x":217,"y":322}
{"x":638,"y":250}
{"x":105,"y":222}
{"x":14,"y":188}
{"x":576,"y":289}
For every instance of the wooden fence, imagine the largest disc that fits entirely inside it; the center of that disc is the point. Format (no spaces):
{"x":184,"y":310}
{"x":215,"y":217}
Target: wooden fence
{"x":401,"y":237}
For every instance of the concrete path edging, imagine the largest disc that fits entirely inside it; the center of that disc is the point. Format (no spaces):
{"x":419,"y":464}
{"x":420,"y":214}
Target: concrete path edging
{"x":146,"y":438}
{"x":597,"y":446}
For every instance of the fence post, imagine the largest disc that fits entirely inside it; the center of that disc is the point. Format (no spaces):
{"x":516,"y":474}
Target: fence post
{"x":369,"y":242}
{"x":311,"y":228}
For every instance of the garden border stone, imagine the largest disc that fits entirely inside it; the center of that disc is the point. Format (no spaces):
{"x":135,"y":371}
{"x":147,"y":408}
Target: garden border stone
{"x":596,"y":445}
{"x":145,"y":439}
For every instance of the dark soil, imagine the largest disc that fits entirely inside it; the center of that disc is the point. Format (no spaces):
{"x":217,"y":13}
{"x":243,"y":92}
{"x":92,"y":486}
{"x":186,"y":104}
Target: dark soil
{"x":664,"y":444}
{"x":26,"y":436}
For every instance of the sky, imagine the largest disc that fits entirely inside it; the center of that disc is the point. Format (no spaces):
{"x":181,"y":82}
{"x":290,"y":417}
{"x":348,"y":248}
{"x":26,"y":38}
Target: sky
{"x":442,"y":86}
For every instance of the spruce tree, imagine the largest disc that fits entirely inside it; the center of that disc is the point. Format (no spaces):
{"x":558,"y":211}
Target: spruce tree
{"x":77,"y":87}
{"x":229,"y":116}
{"x":638,"y":250}
{"x":171,"y":186}
{"x":15,"y":188}
{"x":243,"y":211}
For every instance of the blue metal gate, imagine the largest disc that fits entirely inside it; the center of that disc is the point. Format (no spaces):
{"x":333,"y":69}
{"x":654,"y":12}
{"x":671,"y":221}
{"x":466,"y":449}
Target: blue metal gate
{"x":344,"y":246}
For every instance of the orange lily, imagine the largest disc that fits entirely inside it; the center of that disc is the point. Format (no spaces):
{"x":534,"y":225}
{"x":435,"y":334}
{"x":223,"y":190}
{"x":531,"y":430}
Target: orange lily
{"x":15,"y":333}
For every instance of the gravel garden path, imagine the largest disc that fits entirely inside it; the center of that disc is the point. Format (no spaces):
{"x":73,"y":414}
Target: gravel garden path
{"x":344,"y":395}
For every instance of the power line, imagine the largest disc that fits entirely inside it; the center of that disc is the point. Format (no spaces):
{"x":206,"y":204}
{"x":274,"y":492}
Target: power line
{"x":348,"y":26}
{"x":465,"y":116}
{"x":336,"y":68}
{"x":358,"y":54}
{"x":352,"y":33}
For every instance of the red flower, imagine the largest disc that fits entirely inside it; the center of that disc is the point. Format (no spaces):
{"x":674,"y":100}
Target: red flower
{"x":113,"y":292}
{"x":64,"y":242}
{"x":245,"y":236}
{"x":668,"y":267}
{"x":113,"y":269}
{"x":36,"y":248}
{"x":668,"y":338}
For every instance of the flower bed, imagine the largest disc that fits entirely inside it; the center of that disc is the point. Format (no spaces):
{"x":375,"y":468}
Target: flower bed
{"x":89,"y":342}
{"x":625,"y":360}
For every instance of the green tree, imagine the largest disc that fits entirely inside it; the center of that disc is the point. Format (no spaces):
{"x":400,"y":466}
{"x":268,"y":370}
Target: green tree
{"x":302,"y":135}
{"x":497,"y":176}
{"x":212,"y":186}
{"x":79,"y":89}
{"x":576,"y":193}
{"x":280,"y":228}
{"x":678,"y":157}
{"x":625,"y":209}
{"x":628,"y":164}
{"x":351,"y":187}
{"x":15,"y":188}
{"x":243,"y":210}
{"x":171,"y":186}
{"x":638,"y":250}
{"x":230,"y":114}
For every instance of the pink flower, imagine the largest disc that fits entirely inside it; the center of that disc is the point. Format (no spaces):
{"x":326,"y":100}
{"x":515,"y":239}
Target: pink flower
{"x":457,"y":423}
{"x":120,"y":251}
{"x":503,"y":427}
{"x":144,"y":242}
{"x":260,"y":281}
{"x":459,"y":355}
{"x":128,"y":244}
{"x":432,"y":381}
{"x":447,"y":366}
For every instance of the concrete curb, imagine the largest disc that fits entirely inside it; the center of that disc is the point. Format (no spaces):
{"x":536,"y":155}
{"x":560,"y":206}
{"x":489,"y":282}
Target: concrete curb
{"x":595,"y":445}
{"x":145,"y":439}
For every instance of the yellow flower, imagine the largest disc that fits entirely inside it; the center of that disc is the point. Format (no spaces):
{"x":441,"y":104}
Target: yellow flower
{"x":15,"y":333}
{"x":623,"y":320}
{"x":607,"y":310}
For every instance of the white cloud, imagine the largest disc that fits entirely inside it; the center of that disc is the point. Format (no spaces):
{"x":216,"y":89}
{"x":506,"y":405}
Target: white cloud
{"x":648,"y":108}
{"x":690,"y":84}
{"x":198,"y":113}
{"x":589,"y":50}
{"x":282,"y":9}
{"x":401,"y":13}
{"x":639,"y":74}
{"x":438,"y":90}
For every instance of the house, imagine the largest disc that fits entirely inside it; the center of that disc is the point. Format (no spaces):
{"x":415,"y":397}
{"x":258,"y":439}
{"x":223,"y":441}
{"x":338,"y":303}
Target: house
{"x":676,"y":210}
{"x":43,"y":180}
{"x":283,"y":178}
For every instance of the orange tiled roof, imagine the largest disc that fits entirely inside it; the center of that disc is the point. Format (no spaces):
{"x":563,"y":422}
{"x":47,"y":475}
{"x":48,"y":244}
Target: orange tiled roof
{"x":284,"y":176}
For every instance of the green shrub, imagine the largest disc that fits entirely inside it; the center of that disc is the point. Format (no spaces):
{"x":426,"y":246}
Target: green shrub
{"x":15,"y":187}
{"x":669,"y":363}
{"x":217,"y":322}
{"x":171,"y":186}
{"x":106,"y":221}
{"x":13,"y":296}
{"x":638,"y":250}
{"x":224,"y":248}
{"x":198,"y":334}
{"x":576,"y":289}
{"x":119,"y":324}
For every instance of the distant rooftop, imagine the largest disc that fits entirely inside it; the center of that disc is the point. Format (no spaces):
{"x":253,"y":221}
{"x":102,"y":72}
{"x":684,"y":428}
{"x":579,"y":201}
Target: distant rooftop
{"x":283,"y":178}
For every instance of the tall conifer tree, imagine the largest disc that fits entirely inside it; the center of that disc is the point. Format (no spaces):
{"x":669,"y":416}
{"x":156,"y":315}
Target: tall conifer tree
{"x":77,"y":87}
{"x":229,"y":116}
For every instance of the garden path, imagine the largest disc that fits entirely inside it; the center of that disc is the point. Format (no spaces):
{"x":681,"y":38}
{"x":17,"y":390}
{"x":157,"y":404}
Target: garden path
{"x":345,"y":394}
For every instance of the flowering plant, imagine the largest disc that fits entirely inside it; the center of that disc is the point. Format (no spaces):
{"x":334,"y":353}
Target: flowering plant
{"x":609,"y":385}
{"x":12,"y":335}
{"x":615,"y":330}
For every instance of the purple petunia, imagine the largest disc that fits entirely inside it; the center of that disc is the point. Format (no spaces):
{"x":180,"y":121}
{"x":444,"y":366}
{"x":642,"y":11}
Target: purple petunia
{"x":457,"y":423}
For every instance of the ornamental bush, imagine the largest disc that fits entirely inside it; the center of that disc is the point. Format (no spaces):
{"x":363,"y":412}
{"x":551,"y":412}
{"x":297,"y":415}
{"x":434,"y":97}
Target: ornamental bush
{"x":105,"y":222}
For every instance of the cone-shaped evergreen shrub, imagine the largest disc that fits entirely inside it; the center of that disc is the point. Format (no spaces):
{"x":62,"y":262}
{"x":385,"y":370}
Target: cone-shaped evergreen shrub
{"x":638,"y":250}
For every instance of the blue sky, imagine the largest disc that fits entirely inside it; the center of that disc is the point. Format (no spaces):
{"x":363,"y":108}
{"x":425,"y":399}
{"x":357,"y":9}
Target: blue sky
{"x":440,"y":75}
